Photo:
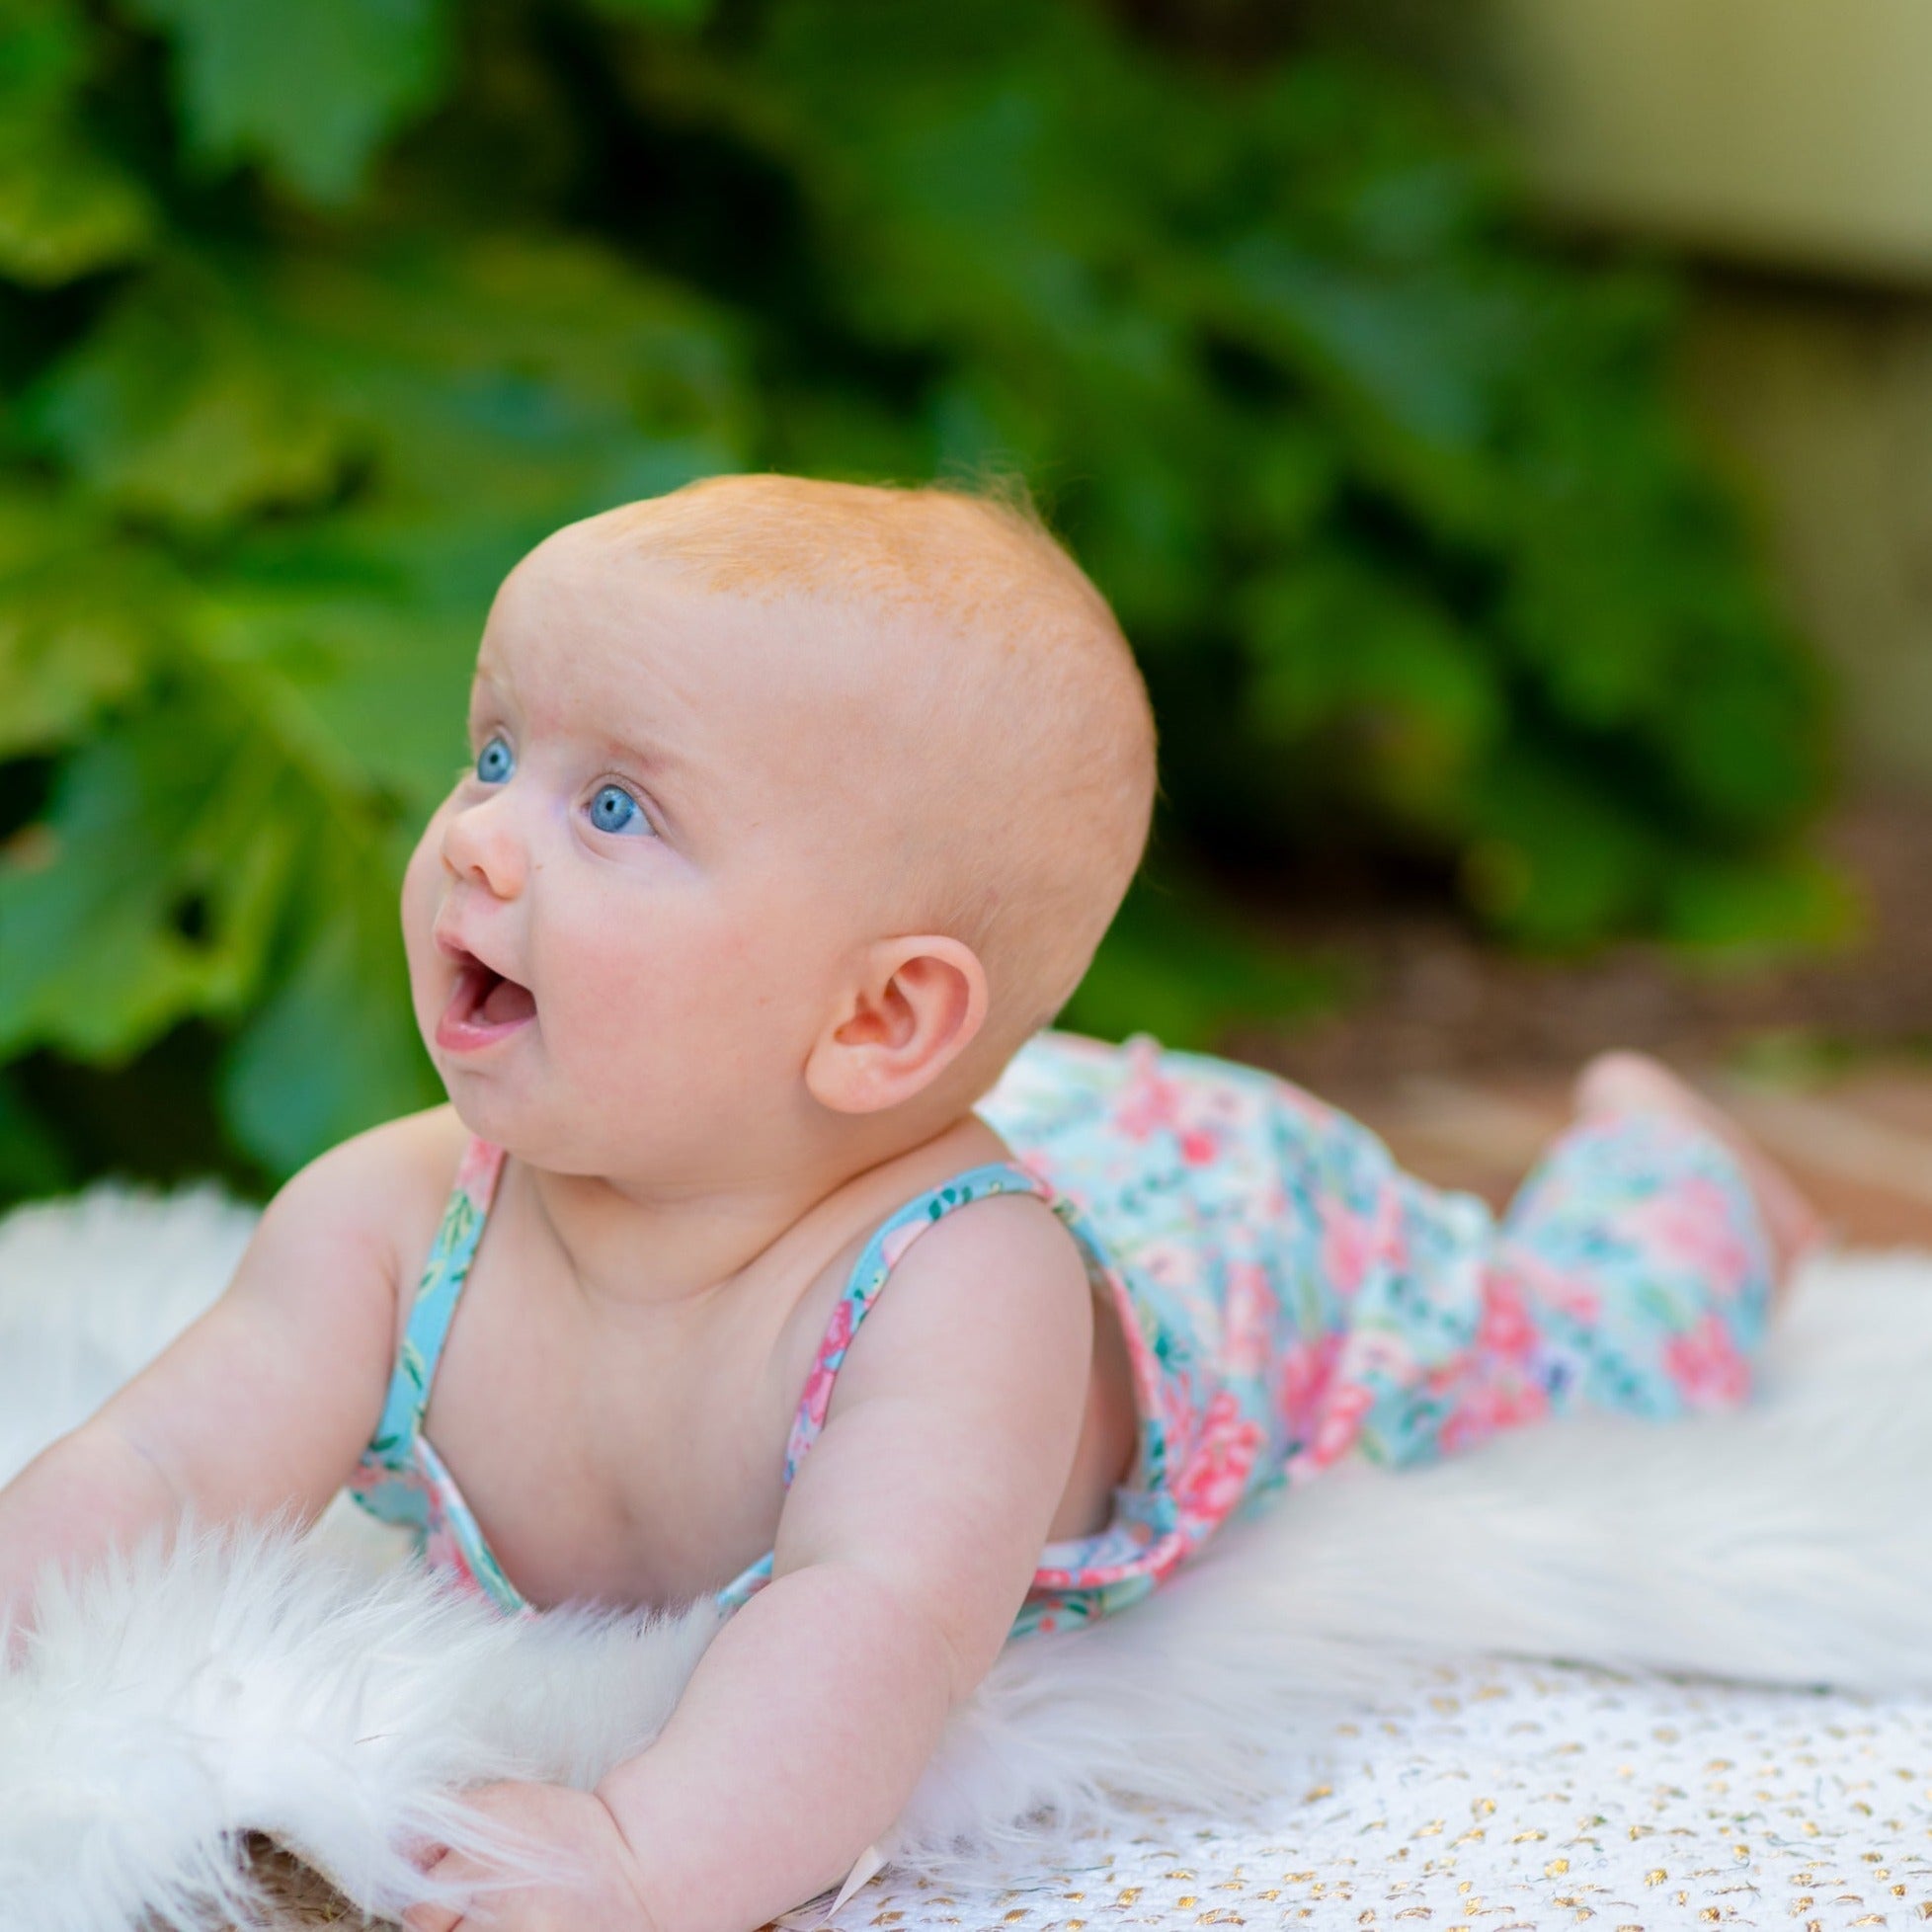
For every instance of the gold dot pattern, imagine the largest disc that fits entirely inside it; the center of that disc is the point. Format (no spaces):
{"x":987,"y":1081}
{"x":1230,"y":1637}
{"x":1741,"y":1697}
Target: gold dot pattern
{"x":1500,"y":1797}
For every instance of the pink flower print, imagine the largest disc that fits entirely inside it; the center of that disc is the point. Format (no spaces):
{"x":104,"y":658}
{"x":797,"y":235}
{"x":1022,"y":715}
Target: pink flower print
{"x":1490,"y":1407}
{"x":1340,"y":1425}
{"x":1306,"y":1367}
{"x":1198,"y":1147}
{"x":442,"y":1552}
{"x":1165,"y":1557}
{"x":1348,"y":1247}
{"x":1149,"y":1105}
{"x":1694,"y":1224}
{"x":1248,"y":1321}
{"x":1506,"y":1331}
{"x":476,"y":1171}
{"x":1553,"y":1287}
{"x":1216,"y":1475}
{"x":818,"y":1385}
{"x":1706,"y":1367}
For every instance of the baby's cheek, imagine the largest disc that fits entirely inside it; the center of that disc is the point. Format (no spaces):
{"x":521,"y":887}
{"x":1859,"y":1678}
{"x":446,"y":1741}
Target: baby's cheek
{"x":419,"y":877}
{"x":605,"y":994}
{"x":419,"y":901}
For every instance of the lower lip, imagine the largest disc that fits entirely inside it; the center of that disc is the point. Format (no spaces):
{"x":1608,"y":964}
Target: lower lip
{"x":456,"y":1033}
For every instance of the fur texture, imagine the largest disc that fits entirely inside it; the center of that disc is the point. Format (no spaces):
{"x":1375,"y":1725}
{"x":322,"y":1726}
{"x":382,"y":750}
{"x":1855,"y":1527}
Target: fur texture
{"x":253,"y":1678}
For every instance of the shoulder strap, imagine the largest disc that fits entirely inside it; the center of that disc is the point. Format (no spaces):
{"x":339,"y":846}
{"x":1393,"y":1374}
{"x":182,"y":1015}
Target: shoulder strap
{"x":890,"y":1240}
{"x":443,"y":1274}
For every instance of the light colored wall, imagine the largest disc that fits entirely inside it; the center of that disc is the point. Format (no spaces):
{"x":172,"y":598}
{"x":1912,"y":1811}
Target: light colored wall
{"x":1792,"y":136}
{"x":1825,"y":398}
{"x":1797,"y":132}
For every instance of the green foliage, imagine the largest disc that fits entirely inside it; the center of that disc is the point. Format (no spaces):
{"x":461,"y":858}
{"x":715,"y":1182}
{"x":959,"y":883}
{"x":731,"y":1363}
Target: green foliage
{"x":66,"y":207}
{"x":1178,"y":965}
{"x":315,"y":313}
{"x":309,"y":89}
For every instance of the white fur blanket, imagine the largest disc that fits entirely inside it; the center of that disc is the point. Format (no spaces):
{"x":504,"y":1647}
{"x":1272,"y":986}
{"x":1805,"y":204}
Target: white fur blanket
{"x":1299,"y":1724}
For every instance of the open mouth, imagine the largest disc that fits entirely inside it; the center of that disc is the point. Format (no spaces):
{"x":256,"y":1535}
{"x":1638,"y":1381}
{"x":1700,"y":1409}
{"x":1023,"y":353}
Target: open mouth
{"x":483,"y":1006}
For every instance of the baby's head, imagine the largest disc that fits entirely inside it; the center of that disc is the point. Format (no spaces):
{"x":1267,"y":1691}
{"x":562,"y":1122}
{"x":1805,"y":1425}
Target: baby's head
{"x":797,"y":806}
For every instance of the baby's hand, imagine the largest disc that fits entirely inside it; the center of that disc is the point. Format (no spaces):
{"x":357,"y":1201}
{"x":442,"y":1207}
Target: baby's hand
{"x":608,"y":1896}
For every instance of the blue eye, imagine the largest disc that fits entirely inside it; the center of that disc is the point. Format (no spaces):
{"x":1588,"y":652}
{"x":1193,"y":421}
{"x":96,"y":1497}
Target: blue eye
{"x":494,"y":763}
{"x":614,"y":809}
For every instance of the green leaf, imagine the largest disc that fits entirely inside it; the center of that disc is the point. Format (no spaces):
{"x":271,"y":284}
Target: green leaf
{"x":64,"y":209}
{"x":668,"y":12}
{"x":1377,"y":338}
{"x":1744,"y":911}
{"x":183,"y":405}
{"x":82,"y":616}
{"x":32,"y":1158}
{"x":508,"y":384}
{"x":335,"y":1050}
{"x":43,"y":57}
{"x":311,"y":87}
{"x":150,"y":890}
{"x":362,"y":670}
{"x":1178,"y":964}
{"x":1556,"y":862}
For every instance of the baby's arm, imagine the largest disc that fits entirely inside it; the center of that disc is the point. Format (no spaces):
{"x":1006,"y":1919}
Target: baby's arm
{"x":266,"y":1401}
{"x":908,"y":1542}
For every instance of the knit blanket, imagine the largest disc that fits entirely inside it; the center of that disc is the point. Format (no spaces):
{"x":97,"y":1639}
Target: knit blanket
{"x":1655,"y":1674}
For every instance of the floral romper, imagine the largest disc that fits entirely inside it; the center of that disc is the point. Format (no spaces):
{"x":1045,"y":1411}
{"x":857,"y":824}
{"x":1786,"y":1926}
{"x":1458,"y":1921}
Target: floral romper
{"x":1287,"y":1294}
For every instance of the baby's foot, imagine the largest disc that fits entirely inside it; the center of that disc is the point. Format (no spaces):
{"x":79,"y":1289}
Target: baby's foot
{"x":1631,"y":1082}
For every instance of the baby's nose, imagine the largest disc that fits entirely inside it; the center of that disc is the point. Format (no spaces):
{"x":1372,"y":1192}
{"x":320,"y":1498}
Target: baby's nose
{"x":480,"y":844}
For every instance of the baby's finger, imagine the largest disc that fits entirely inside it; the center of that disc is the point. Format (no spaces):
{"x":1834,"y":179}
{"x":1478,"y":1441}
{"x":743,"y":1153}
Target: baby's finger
{"x":432,"y":1917}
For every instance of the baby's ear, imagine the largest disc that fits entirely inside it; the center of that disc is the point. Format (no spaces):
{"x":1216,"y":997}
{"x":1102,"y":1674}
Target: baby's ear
{"x":911,"y":1008}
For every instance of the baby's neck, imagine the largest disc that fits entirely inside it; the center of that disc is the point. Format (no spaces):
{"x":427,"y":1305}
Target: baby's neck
{"x":634,"y":1248}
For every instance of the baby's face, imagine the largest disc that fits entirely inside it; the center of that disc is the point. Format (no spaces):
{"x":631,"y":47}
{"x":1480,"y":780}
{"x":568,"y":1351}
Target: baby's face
{"x":626,"y":923}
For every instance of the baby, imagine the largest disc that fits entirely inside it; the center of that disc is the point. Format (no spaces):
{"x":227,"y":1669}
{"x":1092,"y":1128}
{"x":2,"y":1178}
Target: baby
{"x":795,"y":812}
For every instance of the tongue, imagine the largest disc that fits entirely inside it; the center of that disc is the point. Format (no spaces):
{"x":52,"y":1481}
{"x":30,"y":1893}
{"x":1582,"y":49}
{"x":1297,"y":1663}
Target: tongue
{"x":506,"y":1001}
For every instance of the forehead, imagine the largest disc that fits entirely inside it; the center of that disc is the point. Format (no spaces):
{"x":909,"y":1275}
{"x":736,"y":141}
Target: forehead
{"x":566,"y":636}
{"x":589,"y":639}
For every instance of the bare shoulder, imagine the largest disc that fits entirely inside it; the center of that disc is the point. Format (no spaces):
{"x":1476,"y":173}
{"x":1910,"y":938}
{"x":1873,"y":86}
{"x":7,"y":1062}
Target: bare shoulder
{"x":996,"y":1291}
{"x":339,"y":1245}
{"x":270,"y":1395}
{"x":953,"y":1421}
{"x":372,"y":1200}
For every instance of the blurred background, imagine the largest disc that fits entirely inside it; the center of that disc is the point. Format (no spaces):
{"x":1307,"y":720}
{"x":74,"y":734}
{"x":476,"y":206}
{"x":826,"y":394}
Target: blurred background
{"x":1507,"y":440}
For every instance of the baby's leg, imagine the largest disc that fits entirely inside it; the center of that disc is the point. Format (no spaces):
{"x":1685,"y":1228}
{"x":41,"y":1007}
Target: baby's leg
{"x":1633,"y":1082}
{"x":1637,"y":1266}
{"x":1634,"y":1271}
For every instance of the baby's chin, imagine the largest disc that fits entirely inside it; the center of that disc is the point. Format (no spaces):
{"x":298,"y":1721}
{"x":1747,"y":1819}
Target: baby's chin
{"x":536,"y":1124}
{"x":515,"y":1125}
